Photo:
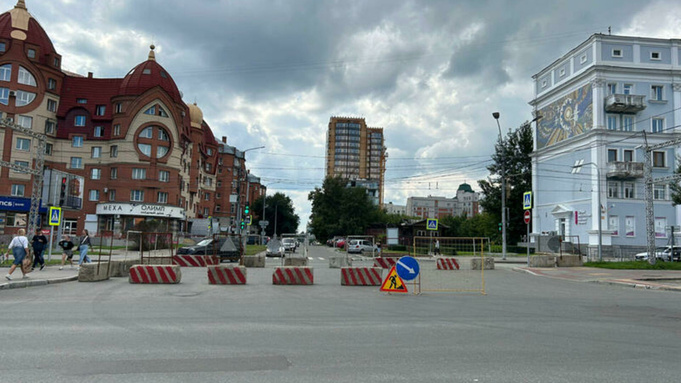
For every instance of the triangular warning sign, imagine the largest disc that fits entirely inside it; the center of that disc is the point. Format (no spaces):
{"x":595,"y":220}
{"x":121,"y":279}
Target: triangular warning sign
{"x":393,"y":283}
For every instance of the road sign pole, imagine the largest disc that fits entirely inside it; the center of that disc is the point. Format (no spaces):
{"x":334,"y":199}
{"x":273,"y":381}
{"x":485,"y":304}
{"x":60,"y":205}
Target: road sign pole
{"x":49,"y":251}
{"x":528,"y":244}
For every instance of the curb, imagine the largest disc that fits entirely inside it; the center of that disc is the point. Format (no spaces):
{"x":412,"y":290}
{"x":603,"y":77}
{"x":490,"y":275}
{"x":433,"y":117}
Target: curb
{"x":39,"y":282}
{"x":626,"y":283}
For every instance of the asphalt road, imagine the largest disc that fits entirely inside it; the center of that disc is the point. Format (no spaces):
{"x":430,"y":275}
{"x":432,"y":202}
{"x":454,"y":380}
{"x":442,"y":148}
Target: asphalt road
{"x":526,"y":329}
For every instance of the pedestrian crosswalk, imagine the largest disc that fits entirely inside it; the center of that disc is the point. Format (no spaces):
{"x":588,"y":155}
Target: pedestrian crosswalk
{"x":312,"y":258}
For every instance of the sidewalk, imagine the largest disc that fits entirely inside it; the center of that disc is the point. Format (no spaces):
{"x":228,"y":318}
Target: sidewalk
{"x":49,"y":275}
{"x":644,"y":279}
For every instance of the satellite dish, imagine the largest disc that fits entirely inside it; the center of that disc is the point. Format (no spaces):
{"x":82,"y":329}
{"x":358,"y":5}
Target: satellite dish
{"x":554,"y":243}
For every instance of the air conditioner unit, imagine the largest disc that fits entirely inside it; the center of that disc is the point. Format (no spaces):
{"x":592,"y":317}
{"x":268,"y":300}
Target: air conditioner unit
{"x":106,"y":190}
{"x":12,"y":93}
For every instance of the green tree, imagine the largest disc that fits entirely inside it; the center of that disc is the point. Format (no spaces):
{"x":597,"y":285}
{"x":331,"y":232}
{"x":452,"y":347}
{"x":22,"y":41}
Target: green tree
{"x":287,"y":220}
{"x":515,"y":152}
{"x":339,"y":210}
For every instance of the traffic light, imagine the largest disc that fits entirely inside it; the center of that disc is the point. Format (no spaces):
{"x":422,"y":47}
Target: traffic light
{"x":499,"y":226}
{"x":247,"y":209}
{"x":243,"y":224}
{"x":62,"y":191}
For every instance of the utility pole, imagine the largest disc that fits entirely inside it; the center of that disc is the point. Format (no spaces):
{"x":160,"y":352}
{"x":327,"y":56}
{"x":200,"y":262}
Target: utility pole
{"x":37,"y":172}
{"x":503,"y":188}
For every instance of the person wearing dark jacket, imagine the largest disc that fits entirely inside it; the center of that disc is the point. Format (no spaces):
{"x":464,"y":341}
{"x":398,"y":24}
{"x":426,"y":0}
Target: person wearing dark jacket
{"x":67,"y":251}
{"x":39,"y":245}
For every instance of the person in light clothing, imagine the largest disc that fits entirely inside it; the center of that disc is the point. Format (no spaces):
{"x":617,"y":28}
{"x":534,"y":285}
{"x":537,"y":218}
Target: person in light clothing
{"x":19,"y":249}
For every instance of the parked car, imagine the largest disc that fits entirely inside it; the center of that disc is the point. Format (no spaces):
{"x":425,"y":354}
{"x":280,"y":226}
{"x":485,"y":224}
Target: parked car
{"x":662,"y":253}
{"x":340,"y":243}
{"x":360,"y":246}
{"x":223,"y":247}
{"x":289,"y":244}
{"x":275,"y":249}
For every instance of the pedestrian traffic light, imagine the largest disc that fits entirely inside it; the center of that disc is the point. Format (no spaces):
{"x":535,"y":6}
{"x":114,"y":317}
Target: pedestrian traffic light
{"x":243,"y":224}
{"x":499,"y":226}
{"x":62,"y":191}
{"x":247,"y":209}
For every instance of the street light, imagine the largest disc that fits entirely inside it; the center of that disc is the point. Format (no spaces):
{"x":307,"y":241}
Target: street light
{"x":503,"y":189}
{"x":576,"y":169}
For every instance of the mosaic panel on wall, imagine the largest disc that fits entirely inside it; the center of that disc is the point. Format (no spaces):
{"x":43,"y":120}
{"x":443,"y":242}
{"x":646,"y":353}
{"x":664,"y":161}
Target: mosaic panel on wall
{"x":565,"y":118}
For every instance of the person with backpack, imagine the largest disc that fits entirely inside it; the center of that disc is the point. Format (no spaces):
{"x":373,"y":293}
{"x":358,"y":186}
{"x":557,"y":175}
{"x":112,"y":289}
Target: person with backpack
{"x":67,"y":251}
{"x":39,"y":244}
{"x":19,"y":248}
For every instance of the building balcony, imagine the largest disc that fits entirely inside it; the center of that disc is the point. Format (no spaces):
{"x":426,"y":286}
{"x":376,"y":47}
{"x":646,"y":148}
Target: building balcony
{"x":624,"y":103}
{"x":619,"y":170}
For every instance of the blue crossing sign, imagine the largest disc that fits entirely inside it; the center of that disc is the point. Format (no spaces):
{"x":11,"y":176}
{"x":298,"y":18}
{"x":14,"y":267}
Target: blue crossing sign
{"x":55,"y":216}
{"x":527,"y":200}
{"x":407,"y":268}
{"x":431,"y":224}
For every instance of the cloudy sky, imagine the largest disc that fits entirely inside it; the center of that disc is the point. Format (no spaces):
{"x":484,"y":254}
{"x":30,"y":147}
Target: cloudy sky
{"x":430,"y":72}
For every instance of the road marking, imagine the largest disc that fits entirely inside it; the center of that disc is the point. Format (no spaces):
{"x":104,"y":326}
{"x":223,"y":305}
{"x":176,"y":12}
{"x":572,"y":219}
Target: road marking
{"x":320,"y":258}
{"x":310,"y":258}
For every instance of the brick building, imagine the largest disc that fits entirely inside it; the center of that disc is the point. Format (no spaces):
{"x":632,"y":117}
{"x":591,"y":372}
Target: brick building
{"x":127,"y":149}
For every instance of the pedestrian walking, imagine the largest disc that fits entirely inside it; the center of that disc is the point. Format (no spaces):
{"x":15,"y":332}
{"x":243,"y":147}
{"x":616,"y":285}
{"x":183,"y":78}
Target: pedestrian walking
{"x":437,"y":247}
{"x":39,"y":244}
{"x":19,"y":249}
{"x":83,"y":248}
{"x":67,"y":251}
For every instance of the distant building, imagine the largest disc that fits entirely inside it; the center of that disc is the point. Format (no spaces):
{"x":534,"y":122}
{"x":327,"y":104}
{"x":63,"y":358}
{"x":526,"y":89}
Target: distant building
{"x":391,"y":208}
{"x":465,"y":203}
{"x":119,"y":151}
{"x":596,"y":101}
{"x":356,"y":153}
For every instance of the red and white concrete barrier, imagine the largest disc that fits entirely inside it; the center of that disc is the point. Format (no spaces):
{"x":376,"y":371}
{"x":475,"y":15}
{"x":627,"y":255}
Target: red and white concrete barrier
{"x":155,"y":274}
{"x":293,"y":275}
{"x":361,"y":276}
{"x":447,"y":264}
{"x":385,"y":262}
{"x":226,"y":275}
{"x":186,"y":260}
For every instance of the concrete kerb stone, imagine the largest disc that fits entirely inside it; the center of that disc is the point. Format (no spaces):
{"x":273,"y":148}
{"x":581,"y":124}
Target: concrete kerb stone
{"x":93,"y":272}
{"x":257,"y":260}
{"x":339,"y":261}
{"x":476,"y":263}
{"x":295,"y":261}
{"x":569,"y":260}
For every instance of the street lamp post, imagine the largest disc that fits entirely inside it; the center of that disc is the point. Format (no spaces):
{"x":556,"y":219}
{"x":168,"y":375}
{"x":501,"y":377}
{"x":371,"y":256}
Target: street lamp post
{"x":241,"y":174}
{"x":503,"y":189}
{"x":576,"y":169}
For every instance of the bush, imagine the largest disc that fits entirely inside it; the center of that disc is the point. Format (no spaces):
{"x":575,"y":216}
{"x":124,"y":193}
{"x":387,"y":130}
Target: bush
{"x":397,"y":247}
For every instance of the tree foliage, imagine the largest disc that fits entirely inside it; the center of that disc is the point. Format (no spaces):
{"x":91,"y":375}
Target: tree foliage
{"x":339,"y":210}
{"x":287,"y":220}
{"x":514,"y":153}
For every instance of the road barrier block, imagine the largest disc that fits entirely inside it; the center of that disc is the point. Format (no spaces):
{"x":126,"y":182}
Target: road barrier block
{"x":93,"y":272}
{"x":476,"y":263}
{"x":254,"y":260}
{"x":187,"y":260}
{"x":447,"y":263}
{"x":293,"y":275}
{"x":385,"y":262}
{"x":295,"y":261}
{"x":227,"y":275}
{"x":338,"y":261}
{"x":155,"y":274}
{"x":361,"y":276}
{"x":121,"y":267}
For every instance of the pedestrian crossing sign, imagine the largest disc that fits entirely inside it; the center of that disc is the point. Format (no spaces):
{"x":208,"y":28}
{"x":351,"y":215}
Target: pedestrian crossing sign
{"x":393,"y":283}
{"x":431,"y":224}
{"x":527,"y":200}
{"x":55,"y":216}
